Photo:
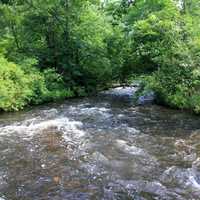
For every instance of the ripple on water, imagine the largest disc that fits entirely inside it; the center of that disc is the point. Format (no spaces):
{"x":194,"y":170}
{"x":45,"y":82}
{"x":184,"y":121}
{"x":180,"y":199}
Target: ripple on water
{"x":90,"y":150}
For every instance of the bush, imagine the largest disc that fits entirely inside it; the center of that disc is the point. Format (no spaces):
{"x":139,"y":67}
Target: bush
{"x":56,"y":88}
{"x":166,"y":47}
{"x":178,"y":87}
{"x":20,"y":85}
{"x":14,"y":86}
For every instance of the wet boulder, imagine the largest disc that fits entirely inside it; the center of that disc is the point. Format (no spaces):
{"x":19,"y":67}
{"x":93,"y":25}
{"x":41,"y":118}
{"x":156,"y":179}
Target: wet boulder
{"x":147,"y":98}
{"x":130,"y":94}
{"x":120,"y":93}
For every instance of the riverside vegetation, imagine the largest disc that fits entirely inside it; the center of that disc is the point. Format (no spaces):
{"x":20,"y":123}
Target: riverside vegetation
{"x":51,"y":50}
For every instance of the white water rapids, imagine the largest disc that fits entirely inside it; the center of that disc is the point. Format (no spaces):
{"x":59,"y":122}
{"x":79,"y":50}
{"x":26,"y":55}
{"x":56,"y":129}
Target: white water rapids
{"x":99,"y":149}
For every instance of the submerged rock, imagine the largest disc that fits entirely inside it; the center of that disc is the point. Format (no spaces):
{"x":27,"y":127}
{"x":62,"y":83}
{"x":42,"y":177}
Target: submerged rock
{"x":52,"y":113}
{"x":133,"y":150}
{"x":186,"y":179}
{"x":143,"y":190}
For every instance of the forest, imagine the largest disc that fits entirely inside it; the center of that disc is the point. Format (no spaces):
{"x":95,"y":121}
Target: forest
{"x":99,"y":99}
{"x":56,"y":49}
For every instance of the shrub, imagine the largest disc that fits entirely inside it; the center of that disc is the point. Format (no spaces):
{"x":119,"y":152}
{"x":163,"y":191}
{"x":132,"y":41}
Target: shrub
{"x":23,"y":84}
{"x":14,"y":86}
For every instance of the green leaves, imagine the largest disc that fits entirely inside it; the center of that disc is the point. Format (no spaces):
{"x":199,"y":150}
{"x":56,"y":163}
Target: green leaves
{"x":14,"y":90}
{"x":73,"y":47}
{"x":20,"y":87}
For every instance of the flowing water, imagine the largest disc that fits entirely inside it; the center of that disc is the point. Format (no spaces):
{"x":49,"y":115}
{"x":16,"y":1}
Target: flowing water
{"x":99,"y":149}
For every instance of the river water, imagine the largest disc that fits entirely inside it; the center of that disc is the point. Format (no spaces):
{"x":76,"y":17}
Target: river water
{"x":99,"y":149}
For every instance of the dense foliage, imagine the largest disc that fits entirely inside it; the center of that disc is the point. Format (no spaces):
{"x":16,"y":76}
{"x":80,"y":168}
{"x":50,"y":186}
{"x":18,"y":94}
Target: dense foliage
{"x":22,"y":85}
{"x":56,"y":49}
{"x":53,"y":49}
{"x":164,"y":44}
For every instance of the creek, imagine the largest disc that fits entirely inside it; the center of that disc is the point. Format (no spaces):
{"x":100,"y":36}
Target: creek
{"x":100,"y":149}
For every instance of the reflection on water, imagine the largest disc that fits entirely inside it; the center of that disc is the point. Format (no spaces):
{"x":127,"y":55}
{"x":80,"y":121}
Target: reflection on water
{"x":99,"y":149}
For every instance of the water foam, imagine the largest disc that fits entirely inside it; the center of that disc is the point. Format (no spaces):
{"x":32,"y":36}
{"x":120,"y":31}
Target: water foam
{"x":185,"y":178}
{"x":70,"y":129}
